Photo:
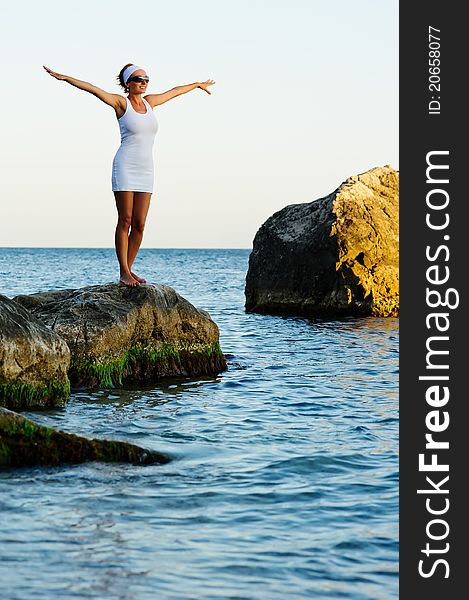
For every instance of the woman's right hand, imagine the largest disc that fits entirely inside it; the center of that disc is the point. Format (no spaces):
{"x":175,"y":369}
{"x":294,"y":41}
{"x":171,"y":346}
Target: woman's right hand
{"x":54,"y":74}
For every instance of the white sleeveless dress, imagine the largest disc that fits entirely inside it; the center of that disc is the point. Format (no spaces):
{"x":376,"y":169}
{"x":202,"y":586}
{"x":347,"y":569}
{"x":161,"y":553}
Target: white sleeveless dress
{"x":132,"y":167}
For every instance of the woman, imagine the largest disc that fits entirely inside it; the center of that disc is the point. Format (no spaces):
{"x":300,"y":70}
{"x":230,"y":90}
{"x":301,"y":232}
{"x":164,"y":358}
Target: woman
{"x":132,"y":167}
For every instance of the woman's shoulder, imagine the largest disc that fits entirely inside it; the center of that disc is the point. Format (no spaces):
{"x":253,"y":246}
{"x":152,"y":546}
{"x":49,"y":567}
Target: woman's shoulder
{"x":150,"y":98}
{"x":121,"y":101}
{"x":121,"y":105}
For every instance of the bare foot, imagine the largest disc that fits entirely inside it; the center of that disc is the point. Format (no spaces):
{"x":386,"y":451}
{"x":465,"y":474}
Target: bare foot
{"x":137,"y":278}
{"x":128,"y":280}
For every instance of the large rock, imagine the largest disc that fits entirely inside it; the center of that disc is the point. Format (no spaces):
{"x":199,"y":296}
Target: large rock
{"x":117,"y":333}
{"x":23,"y":443}
{"x":33,"y":360}
{"x":335,"y":256}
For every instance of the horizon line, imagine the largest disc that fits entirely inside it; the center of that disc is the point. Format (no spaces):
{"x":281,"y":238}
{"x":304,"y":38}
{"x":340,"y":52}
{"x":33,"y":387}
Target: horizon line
{"x":113,"y":248}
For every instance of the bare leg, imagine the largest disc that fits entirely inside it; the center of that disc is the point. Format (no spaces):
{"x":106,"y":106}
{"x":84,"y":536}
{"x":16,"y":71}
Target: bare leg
{"x":124,"y":203}
{"x":139,"y":217}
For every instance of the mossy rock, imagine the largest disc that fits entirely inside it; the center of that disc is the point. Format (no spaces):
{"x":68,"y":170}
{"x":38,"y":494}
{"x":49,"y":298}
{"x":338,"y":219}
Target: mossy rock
{"x":119,"y":334}
{"x":21,"y":395}
{"x":147,"y":364}
{"x":34,"y":360}
{"x":23,"y":443}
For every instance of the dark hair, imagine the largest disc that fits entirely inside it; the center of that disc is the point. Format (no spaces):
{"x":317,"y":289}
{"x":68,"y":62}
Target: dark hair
{"x":120,"y":79}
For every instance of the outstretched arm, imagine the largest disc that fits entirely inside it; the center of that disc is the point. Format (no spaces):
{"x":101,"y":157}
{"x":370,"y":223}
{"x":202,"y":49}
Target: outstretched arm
{"x":108,"y":98}
{"x":157,"y":99}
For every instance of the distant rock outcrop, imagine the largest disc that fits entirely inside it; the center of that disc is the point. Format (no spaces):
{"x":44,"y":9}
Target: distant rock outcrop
{"x":33,"y":360}
{"x":335,"y":256}
{"x":23,"y":443}
{"x":117,"y":333}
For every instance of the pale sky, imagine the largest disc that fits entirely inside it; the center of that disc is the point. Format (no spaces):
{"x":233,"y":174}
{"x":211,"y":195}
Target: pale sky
{"x":306,"y":95}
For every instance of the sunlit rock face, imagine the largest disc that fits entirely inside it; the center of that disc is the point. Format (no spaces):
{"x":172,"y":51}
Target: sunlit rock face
{"x":335,"y":256}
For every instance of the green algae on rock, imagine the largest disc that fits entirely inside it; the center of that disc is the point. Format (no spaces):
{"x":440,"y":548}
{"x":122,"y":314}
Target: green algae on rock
{"x":24,"y":395}
{"x":23,"y":443}
{"x":34,"y":360}
{"x":116,"y":333}
{"x":147,"y":363}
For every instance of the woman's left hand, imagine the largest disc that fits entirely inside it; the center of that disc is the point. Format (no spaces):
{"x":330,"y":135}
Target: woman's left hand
{"x":204,"y":84}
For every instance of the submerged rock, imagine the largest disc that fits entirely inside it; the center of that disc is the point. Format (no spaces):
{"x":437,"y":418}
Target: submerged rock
{"x":117,"y":333}
{"x":335,"y":256}
{"x":33,"y":360}
{"x":23,"y":443}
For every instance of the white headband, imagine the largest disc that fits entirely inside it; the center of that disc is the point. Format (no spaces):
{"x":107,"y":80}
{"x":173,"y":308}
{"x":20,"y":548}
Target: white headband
{"x":128,"y":72}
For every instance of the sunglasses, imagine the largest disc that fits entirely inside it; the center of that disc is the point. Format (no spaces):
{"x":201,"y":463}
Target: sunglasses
{"x":140,"y":79}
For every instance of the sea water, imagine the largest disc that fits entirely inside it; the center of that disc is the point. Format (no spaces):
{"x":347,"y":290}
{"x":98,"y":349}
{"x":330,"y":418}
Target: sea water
{"x":284,"y":482}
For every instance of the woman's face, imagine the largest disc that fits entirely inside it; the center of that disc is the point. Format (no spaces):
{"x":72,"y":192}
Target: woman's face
{"x":137,"y":87}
